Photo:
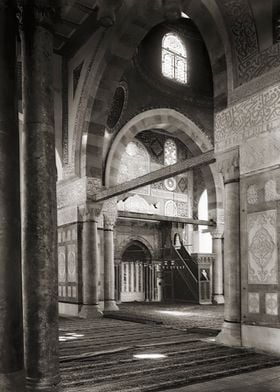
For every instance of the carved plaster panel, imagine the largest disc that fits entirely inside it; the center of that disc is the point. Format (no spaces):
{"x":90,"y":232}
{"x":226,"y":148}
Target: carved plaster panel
{"x":260,"y":153}
{"x":71,"y":192}
{"x":250,"y":62}
{"x":67,"y":215}
{"x":270,"y":191}
{"x":262,"y":248}
{"x":61,"y":264}
{"x":252,"y":195}
{"x":271,"y":304}
{"x":253,"y":302}
{"x":71,"y":263}
{"x":255,"y":116}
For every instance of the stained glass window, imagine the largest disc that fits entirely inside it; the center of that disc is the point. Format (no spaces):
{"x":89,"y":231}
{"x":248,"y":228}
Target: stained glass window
{"x":174,"y":58}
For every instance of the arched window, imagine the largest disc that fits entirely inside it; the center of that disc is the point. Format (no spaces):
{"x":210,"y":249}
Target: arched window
{"x":174,"y":58}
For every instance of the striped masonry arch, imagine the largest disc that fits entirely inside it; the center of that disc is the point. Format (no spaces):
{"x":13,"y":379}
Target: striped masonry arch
{"x":177,"y":125}
{"x":114,"y":51}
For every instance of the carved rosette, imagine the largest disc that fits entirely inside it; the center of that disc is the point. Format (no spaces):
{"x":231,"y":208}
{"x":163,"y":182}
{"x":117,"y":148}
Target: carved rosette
{"x":228,"y":165}
{"x":110,"y":213}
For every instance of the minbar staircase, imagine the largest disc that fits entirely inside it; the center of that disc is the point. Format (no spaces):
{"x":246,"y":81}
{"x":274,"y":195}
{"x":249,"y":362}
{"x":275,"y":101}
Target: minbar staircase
{"x":193,"y":276}
{"x":187,"y":268}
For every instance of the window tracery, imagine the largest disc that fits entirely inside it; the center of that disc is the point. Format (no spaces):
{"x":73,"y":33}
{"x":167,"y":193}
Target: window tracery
{"x":174,"y":58}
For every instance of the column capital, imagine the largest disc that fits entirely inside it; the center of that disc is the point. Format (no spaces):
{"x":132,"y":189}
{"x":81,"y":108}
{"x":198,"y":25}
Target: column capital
{"x":90,"y":212}
{"x":228,"y":165}
{"x":40,"y":12}
{"x":217,"y":233}
{"x":110,"y":213}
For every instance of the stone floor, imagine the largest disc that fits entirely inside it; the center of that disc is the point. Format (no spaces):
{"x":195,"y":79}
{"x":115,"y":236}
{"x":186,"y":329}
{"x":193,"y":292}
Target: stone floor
{"x":181,"y":316}
{"x":98,"y":355}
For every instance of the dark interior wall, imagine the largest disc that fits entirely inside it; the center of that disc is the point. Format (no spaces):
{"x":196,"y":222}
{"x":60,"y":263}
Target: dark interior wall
{"x":146,"y":88}
{"x":199,"y":69}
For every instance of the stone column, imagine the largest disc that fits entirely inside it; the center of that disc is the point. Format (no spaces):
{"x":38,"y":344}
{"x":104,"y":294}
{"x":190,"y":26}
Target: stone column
{"x":228,"y":164}
{"x":110,"y":216}
{"x":40,"y":287}
{"x":218,"y":273}
{"x":91,"y":263}
{"x":11,"y":340}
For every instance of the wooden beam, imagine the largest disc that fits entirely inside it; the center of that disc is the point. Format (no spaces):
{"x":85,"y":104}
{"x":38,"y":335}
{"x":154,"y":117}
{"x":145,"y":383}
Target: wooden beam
{"x":155,"y":176}
{"x":162,"y":218}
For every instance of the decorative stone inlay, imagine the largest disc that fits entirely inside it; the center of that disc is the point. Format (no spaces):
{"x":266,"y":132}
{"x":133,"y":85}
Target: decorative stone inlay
{"x":271,"y":304}
{"x":170,"y":208}
{"x":262,"y":247}
{"x":61,"y":264}
{"x":182,"y":209}
{"x":253,"y":302}
{"x":252,"y":194}
{"x":71,"y":263}
{"x":170,"y":184}
{"x":257,"y":115}
{"x":270,"y":191}
{"x":183,"y":184}
{"x":156,"y":147}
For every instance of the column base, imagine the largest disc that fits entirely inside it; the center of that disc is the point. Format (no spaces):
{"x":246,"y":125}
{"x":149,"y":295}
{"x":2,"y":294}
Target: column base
{"x":110,"y":306}
{"x":230,"y":334}
{"x":12,"y":382}
{"x":218,"y":299}
{"x":90,"y":312}
{"x":45,"y":385}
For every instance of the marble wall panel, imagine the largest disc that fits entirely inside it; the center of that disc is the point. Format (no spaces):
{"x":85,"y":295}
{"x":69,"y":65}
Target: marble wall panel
{"x":253,"y":302}
{"x":271,"y":304}
{"x":262,"y":248}
{"x":260,"y":153}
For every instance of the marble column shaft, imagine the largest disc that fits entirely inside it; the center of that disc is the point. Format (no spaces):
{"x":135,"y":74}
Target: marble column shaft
{"x":39,"y":222}
{"x":110,"y":213}
{"x":229,"y":167}
{"x":232,"y":252}
{"x":218,"y":268}
{"x":91,"y":267}
{"x":109,"y":269}
{"x":11,"y":338}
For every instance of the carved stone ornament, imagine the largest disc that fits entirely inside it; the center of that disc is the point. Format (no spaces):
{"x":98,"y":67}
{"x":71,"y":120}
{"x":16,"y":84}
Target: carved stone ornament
{"x":90,"y":212}
{"x":217,"y":233}
{"x":228,"y":165}
{"x":110,"y":213}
